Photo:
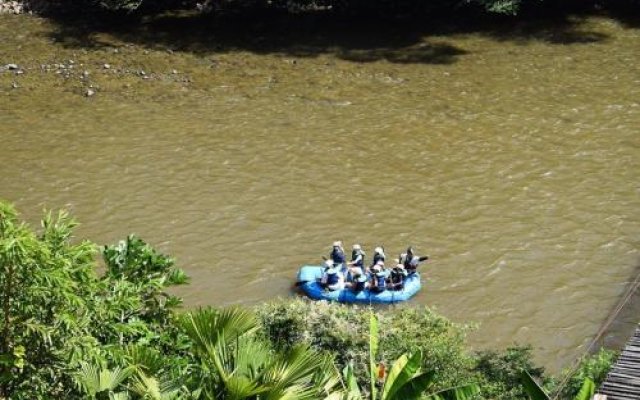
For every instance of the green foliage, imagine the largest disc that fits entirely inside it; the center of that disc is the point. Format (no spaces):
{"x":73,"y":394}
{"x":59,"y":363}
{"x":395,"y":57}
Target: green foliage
{"x":374,"y":342}
{"x":133,"y":295}
{"x":57,"y":316}
{"x":500,"y":372}
{"x":594,"y":367}
{"x":532,"y":388}
{"x":536,"y":392}
{"x":344,"y":331}
{"x":235,"y":364}
{"x":99,"y":383}
{"x":405,"y":380}
{"x":68,"y":333}
{"x":44,"y":283}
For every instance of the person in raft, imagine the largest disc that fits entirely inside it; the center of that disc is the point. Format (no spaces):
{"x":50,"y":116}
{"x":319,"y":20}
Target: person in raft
{"x":337,"y":253}
{"x":378,"y":277}
{"x":406,"y":257}
{"x":357,"y":257}
{"x":411,"y":261}
{"x":360,"y":282}
{"x":398,"y":275}
{"x":356,"y":265}
{"x":332,"y":278}
{"x":378,"y":255}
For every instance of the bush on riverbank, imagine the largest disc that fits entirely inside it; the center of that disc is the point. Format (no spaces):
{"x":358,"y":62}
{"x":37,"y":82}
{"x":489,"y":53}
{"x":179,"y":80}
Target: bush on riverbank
{"x":352,"y":7}
{"x":343,"y":331}
{"x":57,"y":312}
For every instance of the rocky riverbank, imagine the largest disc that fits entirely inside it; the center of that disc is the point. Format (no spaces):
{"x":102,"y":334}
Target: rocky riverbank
{"x":12,"y":7}
{"x":24,"y":6}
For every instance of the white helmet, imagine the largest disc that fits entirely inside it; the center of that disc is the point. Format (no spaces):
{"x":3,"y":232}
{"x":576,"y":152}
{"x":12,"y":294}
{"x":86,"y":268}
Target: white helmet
{"x":378,"y":250}
{"x":357,"y":247}
{"x":337,"y":243}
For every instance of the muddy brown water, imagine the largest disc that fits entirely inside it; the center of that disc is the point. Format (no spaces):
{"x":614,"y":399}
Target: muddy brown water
{"x":513,"y":161}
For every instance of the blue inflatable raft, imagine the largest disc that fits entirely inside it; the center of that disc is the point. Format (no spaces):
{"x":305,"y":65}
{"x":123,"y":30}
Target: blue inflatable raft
{"x":309,"y":277}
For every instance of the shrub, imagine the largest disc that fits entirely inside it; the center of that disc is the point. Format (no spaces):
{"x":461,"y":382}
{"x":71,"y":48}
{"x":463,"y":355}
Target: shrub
{"x":499,"y":372}
{"x":343,"y":331}
{"x":594,"y":367}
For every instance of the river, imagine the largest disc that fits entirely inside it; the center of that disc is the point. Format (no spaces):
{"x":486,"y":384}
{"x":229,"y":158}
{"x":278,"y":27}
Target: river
{"x":511,"y":157}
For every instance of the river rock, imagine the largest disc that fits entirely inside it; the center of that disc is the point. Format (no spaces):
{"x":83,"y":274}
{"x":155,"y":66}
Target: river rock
{"x":89,"y":92}
{"x":27,"y":6}
{"x":11,"y":7}
{"x":11,"y":67}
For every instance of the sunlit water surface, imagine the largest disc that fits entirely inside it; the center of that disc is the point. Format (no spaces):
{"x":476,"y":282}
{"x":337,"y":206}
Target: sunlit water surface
{"x":514,"y":163}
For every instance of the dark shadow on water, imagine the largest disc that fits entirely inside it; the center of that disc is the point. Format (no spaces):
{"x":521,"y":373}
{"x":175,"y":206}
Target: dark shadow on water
{"x":397,"y":40}
{"x":302,"y":36}
{"x":560,"y":29}
{"x":624,"y":324}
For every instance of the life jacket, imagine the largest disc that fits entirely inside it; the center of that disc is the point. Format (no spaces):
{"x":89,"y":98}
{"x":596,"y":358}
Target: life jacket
{"x":354,"y":256}
{"x":332,"y":276}
{"x":337,"y":255}
{"x":397,"y":276}
{"x":360,"y":283}
{"x":381,"y":281}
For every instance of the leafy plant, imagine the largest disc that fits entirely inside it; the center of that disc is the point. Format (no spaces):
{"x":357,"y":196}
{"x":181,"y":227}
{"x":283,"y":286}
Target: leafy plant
{"x":44,"y":283}
{"x":344,"y":332}
{"x":594,"y":367}
{"x":500,"y":372}
{"x":102,"y":383}
{"x":405,"y":380}
{"x":235,"y":364}
{"x":57,"y":316}
{"x":536,"y":392}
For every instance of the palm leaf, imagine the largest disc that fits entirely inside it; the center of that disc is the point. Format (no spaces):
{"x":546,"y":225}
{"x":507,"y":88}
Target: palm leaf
{"x":414,"y":388}
{"x":144,"y":359}
{"x":149,"y":387}
{"x":403,"y":370}
{"x":249,"y":358}
{"x":94,"y":380}
{"x":327,"y":376}
{"x":350,"y":382}
{"x":208,"y":327}
{"x":532,"y":388}
{"x":111,"y":379}
{"x":87,"y":379}
{"x":294,"y":371}
{"x":587,"y":391}
{"x":239,"y":387}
